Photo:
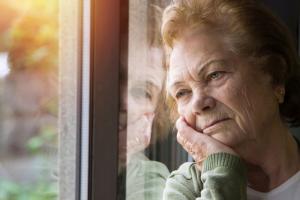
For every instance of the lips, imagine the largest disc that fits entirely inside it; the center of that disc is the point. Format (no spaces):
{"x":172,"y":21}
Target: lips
{"x":212,"y":123}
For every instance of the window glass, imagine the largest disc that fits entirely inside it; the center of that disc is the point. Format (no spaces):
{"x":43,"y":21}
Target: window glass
{"x":147,"y":147}
{"x":148,"y":150}
{"x":29,"y":99}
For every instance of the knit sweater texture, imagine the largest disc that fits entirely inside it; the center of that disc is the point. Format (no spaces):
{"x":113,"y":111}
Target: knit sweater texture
{"x":223,"y":177}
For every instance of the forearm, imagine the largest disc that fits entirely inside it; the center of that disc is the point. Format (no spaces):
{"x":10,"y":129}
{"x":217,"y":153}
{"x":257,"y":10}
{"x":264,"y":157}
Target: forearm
{"x":183,"y":184}
{"x":223,"y":176}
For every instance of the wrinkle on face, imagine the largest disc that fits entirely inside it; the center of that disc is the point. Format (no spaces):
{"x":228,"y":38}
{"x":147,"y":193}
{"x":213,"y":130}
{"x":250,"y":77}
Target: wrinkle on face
{"x":248,"y":109}
{"x":245,"y":95}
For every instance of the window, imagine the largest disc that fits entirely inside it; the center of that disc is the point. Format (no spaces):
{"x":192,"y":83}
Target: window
{"x":30,"y":101}
{"x":123,"y":52}
{"x":82,"y":107}
{"x":40,"y":56}
{"x":128,"y":97}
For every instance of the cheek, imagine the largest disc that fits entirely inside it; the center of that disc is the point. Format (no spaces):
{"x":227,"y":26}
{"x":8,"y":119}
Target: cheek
{"x":137,"y":109}
{"x":247,"y":107}
{"x":251,"y":108}
{"x":244,"y":111}
{"x":237,"y":98}
{"x":185,"y":111}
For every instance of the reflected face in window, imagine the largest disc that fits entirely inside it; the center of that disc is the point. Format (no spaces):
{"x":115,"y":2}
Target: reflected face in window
{"x":144,"y":85}
{"x":139,"y":100}
{"x":219,"y":93}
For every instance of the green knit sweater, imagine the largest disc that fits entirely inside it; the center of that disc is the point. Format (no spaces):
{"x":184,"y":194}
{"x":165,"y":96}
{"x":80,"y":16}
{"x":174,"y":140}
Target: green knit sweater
{"x":223,"y":177}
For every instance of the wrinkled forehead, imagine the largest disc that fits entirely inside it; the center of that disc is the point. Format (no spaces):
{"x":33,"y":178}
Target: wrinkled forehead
{"x":193,"y":51}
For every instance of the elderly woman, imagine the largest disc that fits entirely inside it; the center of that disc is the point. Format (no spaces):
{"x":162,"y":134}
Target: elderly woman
{"x":234,"y":77}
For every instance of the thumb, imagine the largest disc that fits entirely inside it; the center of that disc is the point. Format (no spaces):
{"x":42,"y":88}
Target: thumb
{"x":148,"y":129}
{"x":185,"y":132}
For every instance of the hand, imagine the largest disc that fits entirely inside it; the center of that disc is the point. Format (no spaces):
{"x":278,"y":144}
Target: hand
{"x":136,"y":137}
{"x":197,"y":144}
{"x":139,"y":134}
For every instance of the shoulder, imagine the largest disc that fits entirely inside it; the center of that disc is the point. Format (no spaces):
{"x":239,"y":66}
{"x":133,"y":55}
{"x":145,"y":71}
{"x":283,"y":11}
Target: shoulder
{"x":150,"y":168}
{"x":140,"y":165}
{"x":145,"y":179}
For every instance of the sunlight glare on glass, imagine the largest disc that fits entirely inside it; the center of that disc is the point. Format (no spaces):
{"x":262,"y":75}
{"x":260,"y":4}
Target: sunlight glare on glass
{"x":4,"y":66}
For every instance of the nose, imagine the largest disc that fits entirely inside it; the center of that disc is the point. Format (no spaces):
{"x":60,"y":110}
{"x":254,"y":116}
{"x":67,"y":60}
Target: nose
{"x":202,"y":103}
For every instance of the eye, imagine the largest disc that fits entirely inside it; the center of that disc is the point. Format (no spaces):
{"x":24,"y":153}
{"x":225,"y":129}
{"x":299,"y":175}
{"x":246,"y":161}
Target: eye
{"x":215,"y":75}
{"x":181,"y":93}
{"x":148,"y":95}
{"x":140,"y":93}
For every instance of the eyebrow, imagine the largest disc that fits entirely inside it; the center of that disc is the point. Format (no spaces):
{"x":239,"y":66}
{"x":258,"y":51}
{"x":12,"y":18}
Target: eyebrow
{"x":203,"y":68}
{"x":207,"y":64}
{"x":147,"y":84}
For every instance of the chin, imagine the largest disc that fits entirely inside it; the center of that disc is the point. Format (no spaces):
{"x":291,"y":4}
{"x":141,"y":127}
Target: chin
{"x":226,"y":132}
{"x":224,"y":139}
{"x":227,"y":137}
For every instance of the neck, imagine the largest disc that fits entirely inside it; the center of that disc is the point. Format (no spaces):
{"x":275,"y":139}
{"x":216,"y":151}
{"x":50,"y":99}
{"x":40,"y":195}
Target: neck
{"x":271,"y":161}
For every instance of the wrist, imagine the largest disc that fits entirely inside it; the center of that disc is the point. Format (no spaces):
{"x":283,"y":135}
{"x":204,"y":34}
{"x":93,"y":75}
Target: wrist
{"x":223,"y":159}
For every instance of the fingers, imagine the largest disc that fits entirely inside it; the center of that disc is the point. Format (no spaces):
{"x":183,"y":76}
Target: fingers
{"x":197,"y":144}
{"x":187,"y":132}
{"x":148,"y":129}
{"x":188,"y":136}
{"x":141,"y":127}
{"x":139,"y":134}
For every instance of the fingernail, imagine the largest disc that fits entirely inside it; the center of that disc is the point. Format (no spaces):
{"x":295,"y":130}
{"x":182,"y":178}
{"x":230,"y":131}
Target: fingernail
{"x":181,"y":122}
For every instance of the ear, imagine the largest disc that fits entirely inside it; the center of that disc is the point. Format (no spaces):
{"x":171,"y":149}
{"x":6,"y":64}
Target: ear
{"x":279,"y":92}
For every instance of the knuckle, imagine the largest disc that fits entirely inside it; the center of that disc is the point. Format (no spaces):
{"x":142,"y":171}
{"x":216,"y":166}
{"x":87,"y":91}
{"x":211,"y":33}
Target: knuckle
{"x":181,"y":140}
{"x":178,"y":125}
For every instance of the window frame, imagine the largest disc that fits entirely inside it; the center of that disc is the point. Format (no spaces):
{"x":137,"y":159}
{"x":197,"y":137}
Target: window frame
{"x":104,"y":109}
{"x":105,"y":36}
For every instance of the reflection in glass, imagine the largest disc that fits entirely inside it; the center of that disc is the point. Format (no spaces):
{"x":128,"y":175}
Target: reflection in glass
{"x":141,"y":104}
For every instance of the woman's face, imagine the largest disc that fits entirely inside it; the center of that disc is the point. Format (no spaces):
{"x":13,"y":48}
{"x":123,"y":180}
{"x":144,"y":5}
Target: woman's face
{"x":139,"y":98}
{"x":144,"y":85}
{"x":218,"y":93}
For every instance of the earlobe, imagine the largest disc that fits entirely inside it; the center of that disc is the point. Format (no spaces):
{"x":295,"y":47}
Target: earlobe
{"x":280,"y":93}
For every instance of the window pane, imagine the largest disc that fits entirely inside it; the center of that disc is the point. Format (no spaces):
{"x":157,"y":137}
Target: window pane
{"x":29,"y":99}
{"x":30,"y":102}
{"x":147,"y":148}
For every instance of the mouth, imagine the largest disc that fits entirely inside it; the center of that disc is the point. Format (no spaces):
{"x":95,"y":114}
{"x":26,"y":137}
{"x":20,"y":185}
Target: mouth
{"x":213,"y":123}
